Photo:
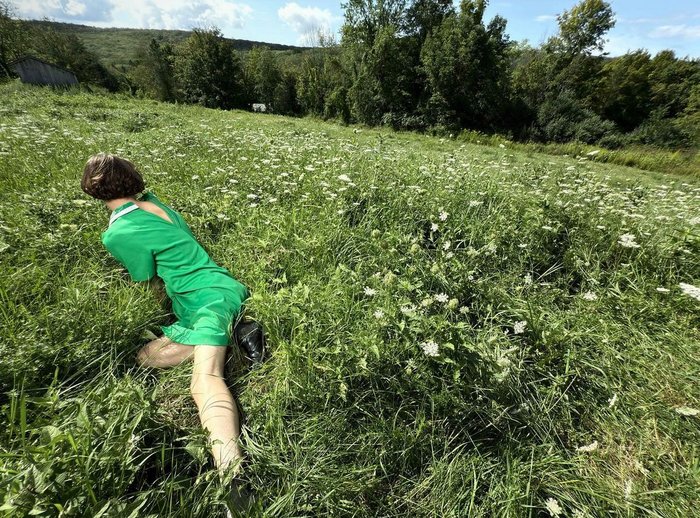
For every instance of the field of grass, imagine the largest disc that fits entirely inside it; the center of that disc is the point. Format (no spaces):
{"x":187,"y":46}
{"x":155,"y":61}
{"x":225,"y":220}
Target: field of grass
{"x":455,"y":330}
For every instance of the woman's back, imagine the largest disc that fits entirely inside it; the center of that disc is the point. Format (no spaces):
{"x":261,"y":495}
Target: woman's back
{"x":150,"y":238}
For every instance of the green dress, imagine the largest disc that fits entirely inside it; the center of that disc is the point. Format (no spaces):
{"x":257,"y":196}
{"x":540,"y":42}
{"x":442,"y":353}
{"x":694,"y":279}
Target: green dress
{"x":206,"y":298}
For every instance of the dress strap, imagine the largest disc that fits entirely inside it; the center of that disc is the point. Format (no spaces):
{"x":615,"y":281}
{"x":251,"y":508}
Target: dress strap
{"x":116,"y":215}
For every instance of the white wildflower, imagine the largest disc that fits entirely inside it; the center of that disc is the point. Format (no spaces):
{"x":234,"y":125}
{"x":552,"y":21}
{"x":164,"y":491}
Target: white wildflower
{"x":588,"y":448}
{"x":553,"y":507}
{"x":370,"y":292}
{"x":251,"y":196}
{"x":344,"y":178}
{"x":687,"y":411}
{"x":690,"y":290}
{"x":661,"y":289}
{"x":612,"y":401}
{"x":443,"y":215}
{"x":628,"y":489}
{"x":527,"y":279}
{"x":589,"y":295}
{"x":695,"y":220}
{"x":378,"y":314}
{"x":464,"y":310}
{"x":442,"y":297}
{"x":195,"y":177}
{"x":408,"y":310}
{"x":519,"y":327}
{"x":430,"y":348}
{"x":434,"y":227}
{"x":627,"y":240}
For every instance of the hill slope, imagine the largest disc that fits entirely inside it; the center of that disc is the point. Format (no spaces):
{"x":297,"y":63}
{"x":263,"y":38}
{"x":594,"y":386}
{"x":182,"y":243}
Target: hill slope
{"x":455,"y":330}
{"x":118,"y":46}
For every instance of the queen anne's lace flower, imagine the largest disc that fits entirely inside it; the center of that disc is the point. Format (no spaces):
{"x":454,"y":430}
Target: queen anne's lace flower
{"x":519,"y":327}
{"x":442,"y":297}
{"x":370,"y":292}
{"x":628,"y":241}
{"x":553,"y":507}
{"x":589,"y":295}
{"x":430,"y":348}
{"x":690,"y":290}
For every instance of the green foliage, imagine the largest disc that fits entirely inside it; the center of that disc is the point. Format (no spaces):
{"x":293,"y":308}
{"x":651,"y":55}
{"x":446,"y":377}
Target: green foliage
{"x":153,"y":76}
{"x":563,"y":118}
{"x":263,"y":75}
{"x":465,"y":63}
{"x":582,"y":29}
{"x":624,"y":93}
{"x":208,"y":72}
{"x":13,"y":38}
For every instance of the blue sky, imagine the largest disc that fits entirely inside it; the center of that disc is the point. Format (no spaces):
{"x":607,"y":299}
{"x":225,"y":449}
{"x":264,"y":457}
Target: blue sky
{"x":654,"y":25}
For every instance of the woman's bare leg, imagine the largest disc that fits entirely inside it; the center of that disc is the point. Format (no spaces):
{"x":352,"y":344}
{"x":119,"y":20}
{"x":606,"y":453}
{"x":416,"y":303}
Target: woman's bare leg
{"x":163,"y":352}
{"x":217,"y":408}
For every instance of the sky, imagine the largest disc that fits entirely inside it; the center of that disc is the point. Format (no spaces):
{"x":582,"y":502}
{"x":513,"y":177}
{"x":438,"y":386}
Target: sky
{"x":653,"y":25}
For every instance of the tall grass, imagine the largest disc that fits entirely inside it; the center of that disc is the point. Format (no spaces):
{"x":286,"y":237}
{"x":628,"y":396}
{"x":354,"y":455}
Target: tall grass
{"x":565,"y":374}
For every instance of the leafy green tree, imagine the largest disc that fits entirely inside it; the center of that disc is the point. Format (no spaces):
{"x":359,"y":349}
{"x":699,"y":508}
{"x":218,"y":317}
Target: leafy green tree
{"x":466,"y":64}
{"x":582,"y":29}
{"x":422,"y":17}
{"x":153,"y":74}
{"x":672,"y":81}
{"x":208,"y":71}
{"x":13,"y":38}
{"x":383,"y":80}
{"x":285,"y":100}
{"x":263,"y":75}
{"x":562,"y":72}
{"x":322,"y":75}
{"x":365,"y":18}
{"x":623,"y":94}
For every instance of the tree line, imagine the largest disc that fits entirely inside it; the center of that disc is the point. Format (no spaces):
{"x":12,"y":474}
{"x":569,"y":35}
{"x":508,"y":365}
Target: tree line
{"x":421,"y":65}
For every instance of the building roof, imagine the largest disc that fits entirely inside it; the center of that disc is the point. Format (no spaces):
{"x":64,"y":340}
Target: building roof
{"x":28,"y":57}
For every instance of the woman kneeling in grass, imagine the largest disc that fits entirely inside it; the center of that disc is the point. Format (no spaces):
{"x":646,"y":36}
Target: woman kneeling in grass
{"x":151,"y":239}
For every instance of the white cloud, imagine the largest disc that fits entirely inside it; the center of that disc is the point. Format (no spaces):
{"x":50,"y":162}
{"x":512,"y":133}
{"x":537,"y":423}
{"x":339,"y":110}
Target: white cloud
{"x":305,"y":20}
{"x":545,"y":18}
{"x":688,"y":32}
{"x":155,"y":14}
{"x":74,"y":8}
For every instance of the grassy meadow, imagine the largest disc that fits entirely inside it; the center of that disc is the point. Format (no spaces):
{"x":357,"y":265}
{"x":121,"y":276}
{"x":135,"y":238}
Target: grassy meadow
{"x":455,"y":330}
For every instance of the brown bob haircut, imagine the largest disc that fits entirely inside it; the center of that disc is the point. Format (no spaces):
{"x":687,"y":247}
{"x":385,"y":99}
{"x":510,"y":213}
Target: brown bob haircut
{"x":107,"y":177}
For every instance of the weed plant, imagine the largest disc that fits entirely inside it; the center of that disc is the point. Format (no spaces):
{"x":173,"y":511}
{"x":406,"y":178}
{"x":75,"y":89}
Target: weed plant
{"x":455,"y":330}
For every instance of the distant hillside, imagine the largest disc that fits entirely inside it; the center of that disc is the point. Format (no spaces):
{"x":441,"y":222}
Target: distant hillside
{"x":116,"y":46}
